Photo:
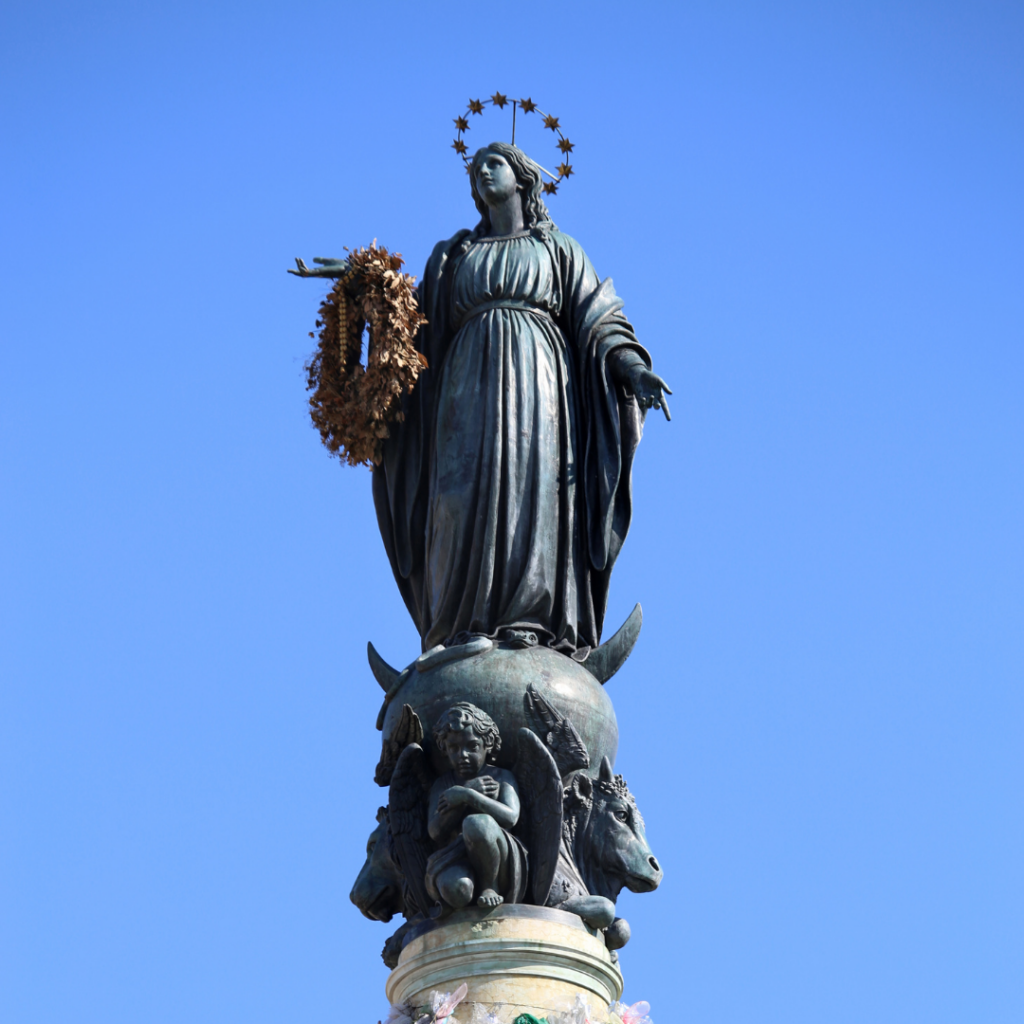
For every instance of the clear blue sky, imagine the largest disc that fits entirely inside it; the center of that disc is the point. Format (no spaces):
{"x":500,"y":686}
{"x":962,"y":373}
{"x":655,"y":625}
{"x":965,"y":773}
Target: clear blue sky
{"x":814,"y":214}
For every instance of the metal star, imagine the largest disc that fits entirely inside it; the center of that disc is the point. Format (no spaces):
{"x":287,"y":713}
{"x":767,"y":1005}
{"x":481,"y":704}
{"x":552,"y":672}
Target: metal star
{"x":500,"y":100}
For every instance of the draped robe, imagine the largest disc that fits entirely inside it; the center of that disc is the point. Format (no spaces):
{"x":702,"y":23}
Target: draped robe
{"x":503,"y":496}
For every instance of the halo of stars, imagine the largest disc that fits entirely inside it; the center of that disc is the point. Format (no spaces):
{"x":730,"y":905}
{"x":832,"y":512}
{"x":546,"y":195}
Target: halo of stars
{"x":527,"y":106}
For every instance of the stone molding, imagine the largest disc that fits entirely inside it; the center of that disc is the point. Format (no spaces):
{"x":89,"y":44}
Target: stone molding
{"x":514,"y":959}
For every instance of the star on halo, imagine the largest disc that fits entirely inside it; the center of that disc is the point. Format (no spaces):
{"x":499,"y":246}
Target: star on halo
{"x":501,"y":100}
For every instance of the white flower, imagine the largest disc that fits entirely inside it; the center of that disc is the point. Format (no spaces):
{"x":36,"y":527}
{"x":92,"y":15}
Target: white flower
{"x":483,"y":1016}
{"x":443,"y":1004}
{"x":635,"y":1014}
{"x":401,"y":1014}
{"x":579,"y":1014}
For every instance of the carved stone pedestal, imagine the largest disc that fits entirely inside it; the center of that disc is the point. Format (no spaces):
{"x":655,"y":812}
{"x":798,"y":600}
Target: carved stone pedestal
{"x":514,"y":959}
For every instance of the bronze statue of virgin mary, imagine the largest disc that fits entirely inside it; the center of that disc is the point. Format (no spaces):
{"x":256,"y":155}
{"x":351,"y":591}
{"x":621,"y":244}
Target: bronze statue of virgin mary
{"x":503,"y":496}
{"x":502,"y":493}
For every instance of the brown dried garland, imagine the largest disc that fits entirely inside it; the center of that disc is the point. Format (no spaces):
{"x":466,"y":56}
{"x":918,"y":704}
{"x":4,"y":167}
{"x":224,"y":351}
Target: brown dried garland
{"x":351,"y":404}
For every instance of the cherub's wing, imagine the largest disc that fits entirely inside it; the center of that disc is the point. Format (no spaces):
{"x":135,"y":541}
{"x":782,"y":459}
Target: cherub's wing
{"x":559,"y":733}
{"x":407,"y":812}
{"x":540,"y":710}
{"x":409,"y":729}
{"x":540,"y":789}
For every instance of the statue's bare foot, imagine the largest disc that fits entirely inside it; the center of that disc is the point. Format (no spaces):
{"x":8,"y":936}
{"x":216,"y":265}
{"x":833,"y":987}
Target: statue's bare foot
{"x":489,"y":898}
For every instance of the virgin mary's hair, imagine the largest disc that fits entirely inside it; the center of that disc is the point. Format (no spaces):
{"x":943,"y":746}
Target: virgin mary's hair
{"x":528,"y":175}
{"x":463,"y":716}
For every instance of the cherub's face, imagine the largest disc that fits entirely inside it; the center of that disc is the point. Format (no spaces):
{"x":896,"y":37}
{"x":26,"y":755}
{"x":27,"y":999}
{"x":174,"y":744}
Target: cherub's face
{"x":466,"y":753}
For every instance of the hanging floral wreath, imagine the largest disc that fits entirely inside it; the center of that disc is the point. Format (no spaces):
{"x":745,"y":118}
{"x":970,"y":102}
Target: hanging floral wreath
{"x":351,"y":404}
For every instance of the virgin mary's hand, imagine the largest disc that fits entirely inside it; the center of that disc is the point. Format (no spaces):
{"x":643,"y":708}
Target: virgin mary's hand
{"x":327,"y":268}
{"x":648,"y":388}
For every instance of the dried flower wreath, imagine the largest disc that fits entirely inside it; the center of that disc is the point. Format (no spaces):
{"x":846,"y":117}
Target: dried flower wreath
{"x":351,"y":405}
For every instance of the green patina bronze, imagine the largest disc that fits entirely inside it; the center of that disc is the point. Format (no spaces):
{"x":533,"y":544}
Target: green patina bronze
{"x":503,"y":498}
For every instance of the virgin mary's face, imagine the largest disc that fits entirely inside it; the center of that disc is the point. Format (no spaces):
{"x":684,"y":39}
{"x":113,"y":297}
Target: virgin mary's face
{"x":495,"y":179}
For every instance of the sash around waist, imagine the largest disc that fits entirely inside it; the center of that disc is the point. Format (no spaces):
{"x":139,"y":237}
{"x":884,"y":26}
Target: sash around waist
{"x":484,"y":307}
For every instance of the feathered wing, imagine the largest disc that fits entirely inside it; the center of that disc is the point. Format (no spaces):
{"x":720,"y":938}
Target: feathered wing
{"x":409,"y":729}
{"x":407,"y":811}
{"x":564,"y":742}
{"x":540,"y":789}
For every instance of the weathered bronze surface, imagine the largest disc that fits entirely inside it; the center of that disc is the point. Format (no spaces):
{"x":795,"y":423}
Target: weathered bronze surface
{"x":504,"y":495}
{"x":503,"y":499}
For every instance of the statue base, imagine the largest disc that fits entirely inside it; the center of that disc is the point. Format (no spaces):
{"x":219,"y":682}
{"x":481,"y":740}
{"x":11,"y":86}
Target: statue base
{"x":514,"y":959}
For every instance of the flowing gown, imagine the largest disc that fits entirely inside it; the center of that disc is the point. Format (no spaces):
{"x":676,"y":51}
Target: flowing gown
{"x":504,"y":495}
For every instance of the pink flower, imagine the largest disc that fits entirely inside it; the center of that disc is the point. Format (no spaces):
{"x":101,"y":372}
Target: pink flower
{"x":635,"y":1014}
{"x":444,"y":1005}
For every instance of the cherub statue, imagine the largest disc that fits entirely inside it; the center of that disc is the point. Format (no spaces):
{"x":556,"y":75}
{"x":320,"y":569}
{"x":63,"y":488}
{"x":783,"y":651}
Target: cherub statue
{"x":452,"y":835}
{"x":472,"y":809}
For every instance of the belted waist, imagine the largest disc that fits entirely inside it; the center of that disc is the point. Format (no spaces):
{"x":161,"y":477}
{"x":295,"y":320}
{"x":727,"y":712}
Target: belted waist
{"x":484,"y":307}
